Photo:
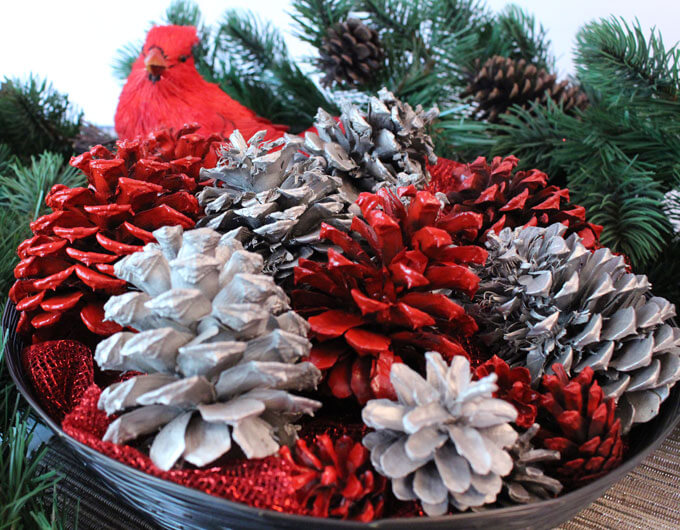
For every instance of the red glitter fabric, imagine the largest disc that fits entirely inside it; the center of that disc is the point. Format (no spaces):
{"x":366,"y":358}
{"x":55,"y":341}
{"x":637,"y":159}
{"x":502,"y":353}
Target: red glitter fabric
{"x":60,"y":372}
{"x":262,"y":483}
{"x":509,"y":198}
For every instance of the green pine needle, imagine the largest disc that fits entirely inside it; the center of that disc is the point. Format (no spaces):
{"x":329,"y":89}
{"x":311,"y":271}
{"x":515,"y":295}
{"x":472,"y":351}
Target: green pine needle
{"x":314,"y":17}
{"x":23,"y":188}
{"x":184,"y":13}
{"x":125,"y":58}
{"x":22,"y":483}
{"x":520,"y":36}
{"x":627,"y":202}
{"x":616,"y":59}
{"x":13,"y":230}
{"x":35,"y":118}
{"x":254,"y":57}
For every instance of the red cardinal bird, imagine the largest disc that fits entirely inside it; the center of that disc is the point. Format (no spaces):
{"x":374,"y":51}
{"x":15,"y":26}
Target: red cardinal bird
{"x":164,"y":89}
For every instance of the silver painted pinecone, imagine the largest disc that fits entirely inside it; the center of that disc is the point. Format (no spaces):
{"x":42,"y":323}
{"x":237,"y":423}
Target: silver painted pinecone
{"x":545,"y":300}
{"x":274,"y":200}
{"x":445,"y":439}
{"x":220,"y":347}
{"x":527,"y":482}
{"x":387,"y":146}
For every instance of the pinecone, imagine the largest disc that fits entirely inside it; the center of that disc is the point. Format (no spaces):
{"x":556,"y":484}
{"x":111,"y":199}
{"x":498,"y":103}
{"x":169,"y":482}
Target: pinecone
{"x":335,"y":478}
{"x":578,"y":421}
{"x":389,"y":293}
{"x":387,"y":146}
{"x":527,"y":482}
{"x":514,"y":386}
{"x":66,"y":268}
{"x":509,"y":198}
{"x":544,"y":299}
{"x":351,"y":54}
{"x":501,"y":82}
{"x":274,"y":199}
{"x":444,"y":440}
{"x":220,"y":347}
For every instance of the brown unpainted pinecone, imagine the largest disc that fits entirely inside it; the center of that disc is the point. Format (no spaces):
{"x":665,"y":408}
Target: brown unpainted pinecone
{"x":351,"y":52}
{"x":501,"y":82}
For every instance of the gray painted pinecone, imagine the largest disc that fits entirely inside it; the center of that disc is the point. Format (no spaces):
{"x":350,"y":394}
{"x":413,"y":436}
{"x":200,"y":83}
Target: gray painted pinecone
{"x":274,"y":200}
{"x":219,"y":345}
{"x":545,"y":300}
{"x":387,"y":146}
{"x":527,"y":482}
{"x":445,"y":440}
{"x":351,"y":53}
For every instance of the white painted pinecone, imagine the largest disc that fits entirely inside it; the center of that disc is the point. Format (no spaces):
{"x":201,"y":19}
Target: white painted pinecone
{"x":527,"y":482}
{"x":274,"y":200}
{"x":387,"y":146}
{"x":544,"y":299}
{"x":445,"y":439}
{"x":219,"y":345}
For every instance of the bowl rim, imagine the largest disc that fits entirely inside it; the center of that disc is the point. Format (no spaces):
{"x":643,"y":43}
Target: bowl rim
{"x":12,"y":358}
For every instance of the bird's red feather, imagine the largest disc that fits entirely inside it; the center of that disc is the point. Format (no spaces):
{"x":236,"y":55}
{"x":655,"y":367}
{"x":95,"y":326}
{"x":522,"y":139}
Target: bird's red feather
{"x":180,"y":95}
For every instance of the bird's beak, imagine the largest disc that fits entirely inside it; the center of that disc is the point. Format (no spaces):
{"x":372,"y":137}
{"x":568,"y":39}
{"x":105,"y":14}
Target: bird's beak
{"x":155,"y":63}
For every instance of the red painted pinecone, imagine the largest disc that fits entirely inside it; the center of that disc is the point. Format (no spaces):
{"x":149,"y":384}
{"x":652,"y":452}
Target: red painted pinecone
{"x":389,"y":294}
{"x":335,"y":478}
{"x":66,"y":268}
{"x":514,"y":386}
{"x":578,"y":422}
{"x":509,"y":198}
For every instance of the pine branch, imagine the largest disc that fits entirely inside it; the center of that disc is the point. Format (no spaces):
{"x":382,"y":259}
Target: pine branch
{"x":458,"y":28}
{"x":254,"y":57}
{"x":617,"y":60}
{"x":459,"y":138}
{"x":314,"y":17}
{"x":627,"y":202}
{"x":23,"y":188}
{"x":35,"y":118}
{"x":5,"y":157}
{"x":535,"y":135}
{"x":253,"y":45}
{"x":520,"y":36}
{"x":21,"y":481}
{"x":125,"y":58}
{"x":13,"y":230}
{"x":184,"y":13}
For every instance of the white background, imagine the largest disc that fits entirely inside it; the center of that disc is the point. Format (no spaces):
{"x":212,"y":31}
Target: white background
{"x":73,"y":43}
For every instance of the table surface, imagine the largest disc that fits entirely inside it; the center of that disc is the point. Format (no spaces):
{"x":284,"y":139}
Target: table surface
{"x":648,"y":497}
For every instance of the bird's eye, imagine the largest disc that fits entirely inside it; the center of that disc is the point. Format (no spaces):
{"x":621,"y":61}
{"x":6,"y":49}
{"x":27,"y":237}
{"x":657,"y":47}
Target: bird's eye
{"x":183,"y":58}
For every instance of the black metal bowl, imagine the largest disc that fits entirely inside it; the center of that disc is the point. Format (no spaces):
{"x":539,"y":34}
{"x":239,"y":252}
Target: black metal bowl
{"x":175,"y":506}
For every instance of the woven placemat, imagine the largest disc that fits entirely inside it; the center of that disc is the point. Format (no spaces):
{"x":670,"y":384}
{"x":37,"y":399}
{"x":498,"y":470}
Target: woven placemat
{"x":648,"y":497}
